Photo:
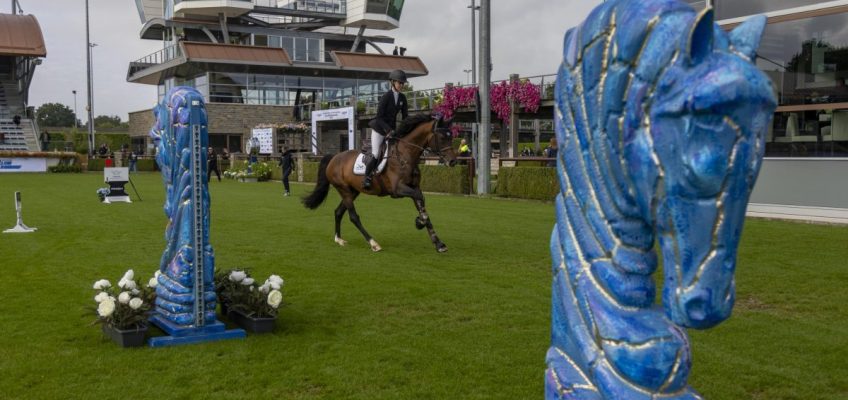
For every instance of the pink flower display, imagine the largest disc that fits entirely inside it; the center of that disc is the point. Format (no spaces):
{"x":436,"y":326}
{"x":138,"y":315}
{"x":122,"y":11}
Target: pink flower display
{"x":525,"y":94}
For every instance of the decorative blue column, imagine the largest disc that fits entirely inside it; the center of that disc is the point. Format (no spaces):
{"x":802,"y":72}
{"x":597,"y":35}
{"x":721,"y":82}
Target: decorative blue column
{"x":661,"y":120}
{"x":185,"y":296}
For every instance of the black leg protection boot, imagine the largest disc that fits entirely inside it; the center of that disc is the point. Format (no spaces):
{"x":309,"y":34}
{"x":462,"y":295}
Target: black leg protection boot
{"x":369,"y":173}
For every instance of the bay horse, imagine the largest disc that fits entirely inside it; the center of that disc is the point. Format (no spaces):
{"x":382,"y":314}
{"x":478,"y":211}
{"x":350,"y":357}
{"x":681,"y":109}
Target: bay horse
{"x":399,"y":178}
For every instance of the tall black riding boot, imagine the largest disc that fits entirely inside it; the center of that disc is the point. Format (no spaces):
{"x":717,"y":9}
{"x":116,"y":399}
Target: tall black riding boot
{"x":369,"y":173}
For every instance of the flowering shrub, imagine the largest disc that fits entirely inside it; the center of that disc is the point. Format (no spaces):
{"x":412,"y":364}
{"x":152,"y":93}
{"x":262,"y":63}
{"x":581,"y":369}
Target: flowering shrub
{"x":261,"y":171}
{"x":289,"y":127}
{"x":525,"y":94}
{"x":238,"y":291}
{"x":454,"y":97}
{"x":125,"y":306}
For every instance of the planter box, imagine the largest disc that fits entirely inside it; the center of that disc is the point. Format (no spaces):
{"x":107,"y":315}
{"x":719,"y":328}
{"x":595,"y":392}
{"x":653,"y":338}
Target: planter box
{"x":126,"y":338}
{"x":252,"y":324}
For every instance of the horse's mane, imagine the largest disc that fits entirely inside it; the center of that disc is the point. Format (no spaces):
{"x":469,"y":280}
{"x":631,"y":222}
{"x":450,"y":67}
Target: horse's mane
{"x":412,"y":122}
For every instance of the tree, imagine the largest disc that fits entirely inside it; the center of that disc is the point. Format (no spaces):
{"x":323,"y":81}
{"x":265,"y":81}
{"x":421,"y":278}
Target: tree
{"x":107,"y":121}
{"x":55,"y":114}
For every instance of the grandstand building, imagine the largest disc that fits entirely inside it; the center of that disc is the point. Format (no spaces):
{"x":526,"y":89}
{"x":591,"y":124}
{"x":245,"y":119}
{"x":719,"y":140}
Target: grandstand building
{"x":21,"y":50}
{"x":267,"y":61}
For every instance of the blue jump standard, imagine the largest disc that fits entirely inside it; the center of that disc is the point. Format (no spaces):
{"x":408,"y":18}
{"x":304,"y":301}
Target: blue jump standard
{"x":187,"y":335}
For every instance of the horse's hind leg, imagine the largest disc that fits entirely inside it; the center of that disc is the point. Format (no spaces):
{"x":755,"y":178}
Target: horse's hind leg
{"x":340,"y":211}
{"x":354,"y":218}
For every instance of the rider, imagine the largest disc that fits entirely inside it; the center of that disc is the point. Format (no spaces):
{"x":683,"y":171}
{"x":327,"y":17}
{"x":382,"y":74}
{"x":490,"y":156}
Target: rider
{"x":382,"y":127}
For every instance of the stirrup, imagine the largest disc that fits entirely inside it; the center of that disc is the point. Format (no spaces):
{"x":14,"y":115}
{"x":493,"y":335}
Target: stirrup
{"x":366,"y":183}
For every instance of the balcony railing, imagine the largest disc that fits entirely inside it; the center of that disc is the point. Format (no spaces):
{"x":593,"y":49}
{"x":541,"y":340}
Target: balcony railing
{"x":160,"y":57}
{"x":319,"y":6}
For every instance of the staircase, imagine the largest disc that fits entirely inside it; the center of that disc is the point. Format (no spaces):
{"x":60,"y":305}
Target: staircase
{"x":22,"y":137}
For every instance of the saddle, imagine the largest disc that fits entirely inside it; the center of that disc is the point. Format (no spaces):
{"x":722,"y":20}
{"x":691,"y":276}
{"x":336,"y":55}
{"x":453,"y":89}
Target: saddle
{"x":359,"y":165}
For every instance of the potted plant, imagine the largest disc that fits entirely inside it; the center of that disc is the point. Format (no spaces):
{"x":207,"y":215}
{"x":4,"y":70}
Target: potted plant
{"x":228,"y":286}
{"x":122,"y":311}
{"x":251,"y":307}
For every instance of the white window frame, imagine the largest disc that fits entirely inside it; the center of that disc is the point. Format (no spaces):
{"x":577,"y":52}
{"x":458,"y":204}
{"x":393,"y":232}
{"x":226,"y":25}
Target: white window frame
{"x":787,"y":11}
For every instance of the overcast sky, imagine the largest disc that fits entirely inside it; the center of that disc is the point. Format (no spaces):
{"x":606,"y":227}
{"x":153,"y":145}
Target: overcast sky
{"x":527,"y":37}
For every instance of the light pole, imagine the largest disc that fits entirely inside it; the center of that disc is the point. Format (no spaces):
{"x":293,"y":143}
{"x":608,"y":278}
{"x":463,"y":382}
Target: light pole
{"x":474,"y":130}
{"x":75,"y":108}
{"x":88,"y":46}
{"x":468,"y":75}
{"x":483,"y":154}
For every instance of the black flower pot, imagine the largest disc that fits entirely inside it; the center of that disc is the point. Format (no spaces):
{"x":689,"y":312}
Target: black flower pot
{"x":252,"y":324}
{"x":126,"y":337}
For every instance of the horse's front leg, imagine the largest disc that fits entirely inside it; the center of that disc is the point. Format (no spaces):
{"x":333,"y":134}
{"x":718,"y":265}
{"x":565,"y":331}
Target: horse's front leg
{"x":423,"y":219}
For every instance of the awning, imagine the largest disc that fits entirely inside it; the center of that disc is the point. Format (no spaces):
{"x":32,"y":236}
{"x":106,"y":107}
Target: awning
{"x":20,"y":35}
{"x":235,"y":54}
{"x":380,"y":63}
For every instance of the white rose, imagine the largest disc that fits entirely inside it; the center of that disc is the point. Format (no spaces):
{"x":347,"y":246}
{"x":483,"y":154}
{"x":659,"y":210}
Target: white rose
{"x":129,"y":275}
{"x":237,"y":276}
{"x":153,"y":282}
{"x":135,"y":303}
{"x":135,"y":292}
{"x":276,"y":279}
{"x":265,"y":288}
{"x":157,"y":273}
{"x":247,"y":281}
{"x":124,"y":297}
{"x":275,"y":298}
{"x":106,"y":308}
{"x":274,"y":285}
{"x":101,"y":296}
{"x":102,"y":284}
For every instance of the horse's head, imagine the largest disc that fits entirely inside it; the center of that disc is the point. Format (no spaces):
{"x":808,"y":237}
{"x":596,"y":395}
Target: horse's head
{"x":707,"y":125}
{"x":441,"y":141}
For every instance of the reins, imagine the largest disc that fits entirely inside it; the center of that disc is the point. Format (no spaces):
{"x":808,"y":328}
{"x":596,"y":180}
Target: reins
{"x":437,"y":152}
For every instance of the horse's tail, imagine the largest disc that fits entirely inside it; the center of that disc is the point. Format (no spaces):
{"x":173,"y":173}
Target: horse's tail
{"x":314,"y":199}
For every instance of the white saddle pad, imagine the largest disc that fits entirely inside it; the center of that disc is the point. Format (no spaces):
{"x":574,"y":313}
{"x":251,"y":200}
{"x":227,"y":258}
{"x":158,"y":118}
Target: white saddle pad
{"x":359,"y":166}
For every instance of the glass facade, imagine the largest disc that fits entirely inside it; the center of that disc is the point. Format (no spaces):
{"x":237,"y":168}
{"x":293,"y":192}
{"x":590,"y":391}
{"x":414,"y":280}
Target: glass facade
{"x":283,"y":90}
{"x":392,"y":8}
{"x":298,"y":48}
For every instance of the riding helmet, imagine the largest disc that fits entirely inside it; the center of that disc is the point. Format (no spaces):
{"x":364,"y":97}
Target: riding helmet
{"x":398,"y":75}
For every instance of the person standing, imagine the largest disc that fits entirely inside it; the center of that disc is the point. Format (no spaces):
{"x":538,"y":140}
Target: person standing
{"x":45,"y":140}
{"x":287,"y":163}
{"x":133,"y":160}
{"x":212,"y":163}
{"x":382,"y":127}
{"x":551,"y":152}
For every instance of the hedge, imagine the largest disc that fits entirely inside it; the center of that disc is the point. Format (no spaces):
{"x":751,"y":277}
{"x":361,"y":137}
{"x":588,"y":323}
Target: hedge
{"x":146,"y":165}
{"x":96,"y":164}
{"x":540,"y":183}
{"x":310,"y":171}
{"x":443,"y":179}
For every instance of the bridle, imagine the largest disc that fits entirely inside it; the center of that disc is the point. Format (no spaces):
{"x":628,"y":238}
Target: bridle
{"x":439,"y":152}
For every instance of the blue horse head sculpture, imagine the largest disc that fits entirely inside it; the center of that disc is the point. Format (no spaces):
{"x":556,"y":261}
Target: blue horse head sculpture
{"x":661,"y":119}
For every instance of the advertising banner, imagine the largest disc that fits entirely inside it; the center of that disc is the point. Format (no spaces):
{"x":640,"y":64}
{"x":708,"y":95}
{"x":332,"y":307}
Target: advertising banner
{"x":15,"y":164}
{"x":265,"y":137}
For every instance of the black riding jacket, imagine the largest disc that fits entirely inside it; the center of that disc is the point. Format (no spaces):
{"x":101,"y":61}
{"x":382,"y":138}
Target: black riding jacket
{"x":387,"y":112}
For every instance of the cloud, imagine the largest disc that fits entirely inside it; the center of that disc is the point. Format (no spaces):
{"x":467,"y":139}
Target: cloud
{"x":526,"y":39}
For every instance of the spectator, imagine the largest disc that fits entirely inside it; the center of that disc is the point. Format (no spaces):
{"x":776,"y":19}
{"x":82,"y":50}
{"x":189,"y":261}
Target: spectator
{"x":133,"y":160}
{"x":287,"y":163}
{"x":526,"y":152}
{"x":395,"y":51}
{"x":45,"y":140}
{"x":17,"y":120}
{"x":103,"y":151}
{"x":212,"y":165}
{"x":551,"y":152}
{"x":464,"y":150}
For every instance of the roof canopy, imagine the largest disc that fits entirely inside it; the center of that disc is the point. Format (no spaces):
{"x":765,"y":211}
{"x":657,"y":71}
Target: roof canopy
{"x":20,"y":35}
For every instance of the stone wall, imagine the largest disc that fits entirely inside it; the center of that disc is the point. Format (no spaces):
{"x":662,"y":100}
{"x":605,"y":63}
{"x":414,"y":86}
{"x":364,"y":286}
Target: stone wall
{"x":223,"y":118}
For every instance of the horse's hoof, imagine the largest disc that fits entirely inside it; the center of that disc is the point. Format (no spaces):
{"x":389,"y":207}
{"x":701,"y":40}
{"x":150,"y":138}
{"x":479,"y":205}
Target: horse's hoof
{"x":442,"y":248}
{"x":340,"y":241}
{"x":375,"y":247}
{"x":419,"y":224}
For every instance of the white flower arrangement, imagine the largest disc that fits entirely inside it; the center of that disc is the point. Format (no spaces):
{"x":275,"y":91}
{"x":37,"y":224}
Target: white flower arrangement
{"x":239,"y":292}
{"x":125,"y":306}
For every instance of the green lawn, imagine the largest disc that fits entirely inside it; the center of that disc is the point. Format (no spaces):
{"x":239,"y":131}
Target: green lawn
{"x":406,"y":323}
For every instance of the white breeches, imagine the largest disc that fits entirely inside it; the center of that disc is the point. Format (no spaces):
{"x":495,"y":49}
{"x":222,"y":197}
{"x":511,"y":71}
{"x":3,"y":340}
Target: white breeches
{"x":376,"y":141}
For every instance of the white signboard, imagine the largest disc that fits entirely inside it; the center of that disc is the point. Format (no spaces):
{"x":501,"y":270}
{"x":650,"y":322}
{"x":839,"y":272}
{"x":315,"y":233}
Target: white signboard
{"x":15,"y":164}
{"x":330,"y":115}
{"x":116,"y":174}
{"x":265,"y":137}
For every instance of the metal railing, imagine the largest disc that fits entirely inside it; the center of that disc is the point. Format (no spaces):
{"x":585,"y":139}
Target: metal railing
{"x":159,"y":57}
{"x":321,"y":6}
